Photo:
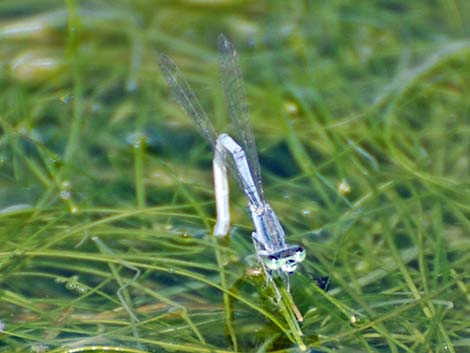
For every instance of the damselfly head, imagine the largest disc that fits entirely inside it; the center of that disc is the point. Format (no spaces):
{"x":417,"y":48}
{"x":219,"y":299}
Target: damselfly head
{"x":285,"y":260}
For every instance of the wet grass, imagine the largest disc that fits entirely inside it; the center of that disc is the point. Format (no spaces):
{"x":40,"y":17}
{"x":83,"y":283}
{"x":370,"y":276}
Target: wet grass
{"x":361,"y":116}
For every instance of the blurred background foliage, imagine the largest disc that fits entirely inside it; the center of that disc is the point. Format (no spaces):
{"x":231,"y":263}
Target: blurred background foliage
{"x":361,"y":115}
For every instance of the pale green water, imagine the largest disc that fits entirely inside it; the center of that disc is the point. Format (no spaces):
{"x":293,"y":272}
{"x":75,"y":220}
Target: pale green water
{"x":361,"y":118}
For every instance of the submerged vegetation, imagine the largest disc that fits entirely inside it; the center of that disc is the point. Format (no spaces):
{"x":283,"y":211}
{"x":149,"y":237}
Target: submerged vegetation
{"x":361,"y":116}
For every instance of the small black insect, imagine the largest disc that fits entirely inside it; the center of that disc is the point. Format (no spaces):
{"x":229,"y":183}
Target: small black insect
{"x":322,"y":282}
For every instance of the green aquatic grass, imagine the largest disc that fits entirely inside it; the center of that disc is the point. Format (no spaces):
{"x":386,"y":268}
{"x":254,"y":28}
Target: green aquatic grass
{"x":361,"y":116}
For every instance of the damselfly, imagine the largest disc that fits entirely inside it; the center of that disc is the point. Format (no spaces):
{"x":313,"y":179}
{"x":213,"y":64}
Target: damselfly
{"x":240,"y":158}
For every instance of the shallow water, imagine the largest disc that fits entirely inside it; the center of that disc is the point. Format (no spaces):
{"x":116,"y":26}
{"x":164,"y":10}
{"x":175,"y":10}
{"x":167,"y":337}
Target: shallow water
{"x":359,"y":114}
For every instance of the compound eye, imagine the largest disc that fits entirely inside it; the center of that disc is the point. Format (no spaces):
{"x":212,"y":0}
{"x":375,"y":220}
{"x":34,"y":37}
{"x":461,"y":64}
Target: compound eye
{"x":289,"y":266}
{"x":300,"y":254}
{"x":272,"y":263}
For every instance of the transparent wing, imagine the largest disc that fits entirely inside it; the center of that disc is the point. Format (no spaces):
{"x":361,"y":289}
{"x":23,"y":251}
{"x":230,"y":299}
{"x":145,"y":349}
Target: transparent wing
{"x":187,"y":99}
{"x":235,"y":99}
